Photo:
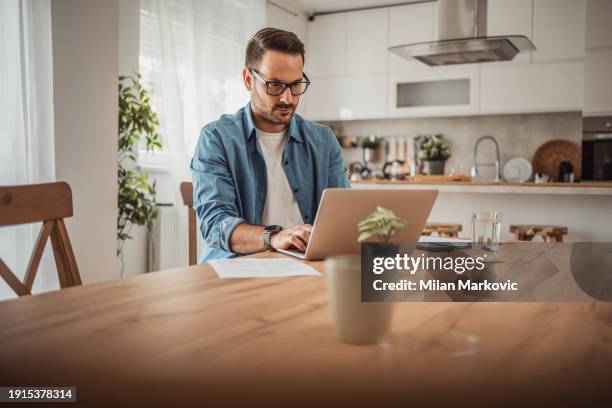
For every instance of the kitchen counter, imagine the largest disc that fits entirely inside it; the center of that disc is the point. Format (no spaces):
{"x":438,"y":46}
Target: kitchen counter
{"x":582,"y":188}
{"x":584,"y":208}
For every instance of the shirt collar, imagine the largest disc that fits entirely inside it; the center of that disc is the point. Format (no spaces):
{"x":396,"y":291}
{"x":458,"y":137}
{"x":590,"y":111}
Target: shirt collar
{"x":292,"y":130}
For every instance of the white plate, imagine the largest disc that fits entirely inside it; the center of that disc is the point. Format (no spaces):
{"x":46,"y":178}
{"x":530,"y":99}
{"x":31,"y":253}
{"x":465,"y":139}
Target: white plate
{"x":517,"y":168}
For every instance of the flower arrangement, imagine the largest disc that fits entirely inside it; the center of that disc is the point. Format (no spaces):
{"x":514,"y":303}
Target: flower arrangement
{"x":433,"y":148}
{"x":383,"y":223}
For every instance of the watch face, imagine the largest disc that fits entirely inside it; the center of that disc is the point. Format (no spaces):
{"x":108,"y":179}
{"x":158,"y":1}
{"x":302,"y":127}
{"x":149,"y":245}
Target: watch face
{"x":273,"y":228}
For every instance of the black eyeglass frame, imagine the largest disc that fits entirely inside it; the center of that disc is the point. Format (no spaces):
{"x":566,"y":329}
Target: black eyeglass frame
{"x":305,"y":82}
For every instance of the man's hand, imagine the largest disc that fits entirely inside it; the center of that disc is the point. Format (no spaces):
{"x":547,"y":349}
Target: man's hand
{"x":296,"y":237}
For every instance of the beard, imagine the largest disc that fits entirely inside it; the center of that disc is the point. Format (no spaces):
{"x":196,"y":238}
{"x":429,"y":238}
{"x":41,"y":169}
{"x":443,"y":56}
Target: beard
{"x":277,"y":114}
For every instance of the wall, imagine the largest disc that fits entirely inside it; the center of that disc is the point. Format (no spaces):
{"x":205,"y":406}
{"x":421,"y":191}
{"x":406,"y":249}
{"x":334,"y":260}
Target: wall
{"x":85,"y":61}
{"x":517,"y":135}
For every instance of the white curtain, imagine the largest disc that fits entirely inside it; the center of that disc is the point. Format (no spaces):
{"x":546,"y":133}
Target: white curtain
{"x":26,"y":123}
{"x":191,"y":56}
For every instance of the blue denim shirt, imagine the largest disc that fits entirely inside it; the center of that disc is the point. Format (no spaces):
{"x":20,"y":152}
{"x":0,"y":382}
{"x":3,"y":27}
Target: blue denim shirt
{"x":229,"y":175}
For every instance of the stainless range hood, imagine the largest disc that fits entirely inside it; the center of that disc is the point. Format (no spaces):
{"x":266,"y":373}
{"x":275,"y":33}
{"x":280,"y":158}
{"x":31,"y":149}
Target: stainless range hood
{"x":462,"y":38}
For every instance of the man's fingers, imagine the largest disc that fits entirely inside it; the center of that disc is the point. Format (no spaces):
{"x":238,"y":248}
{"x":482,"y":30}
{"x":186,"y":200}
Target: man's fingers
{"x":298,"y":243}
{"x":303,"y":235}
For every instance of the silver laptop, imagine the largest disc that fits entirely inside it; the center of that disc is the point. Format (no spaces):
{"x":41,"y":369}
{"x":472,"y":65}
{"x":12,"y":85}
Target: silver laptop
{"x":335,"y":232}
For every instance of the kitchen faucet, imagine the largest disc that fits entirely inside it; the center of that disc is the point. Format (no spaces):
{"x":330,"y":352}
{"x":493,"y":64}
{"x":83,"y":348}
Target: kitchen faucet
{"x":474,"y":170}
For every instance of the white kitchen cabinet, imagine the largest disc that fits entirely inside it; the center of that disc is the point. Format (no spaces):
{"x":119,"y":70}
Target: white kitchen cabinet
{"x":326,"y":46}
{"x":511,"y":18}
{"x":543,"y":87}
{"x":355,"y":76}
{"x":598,"y":59}
{"x":366,"y":41}
{"x":323,"y":99}
{"x":347,"y":98}
{"x":364,"y":97}
{"x":410,"y":24}
{"x":599,"y":23}
{"x":559,"y":28}
{"x":598,"y":81}
{"x":466,"y":73}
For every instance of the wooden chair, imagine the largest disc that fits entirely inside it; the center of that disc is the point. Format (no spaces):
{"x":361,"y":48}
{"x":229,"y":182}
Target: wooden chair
{"x":549,"y":233}
{"x":187,"y":193}
{"x":446,"y":230}
{"x":49,"y":203}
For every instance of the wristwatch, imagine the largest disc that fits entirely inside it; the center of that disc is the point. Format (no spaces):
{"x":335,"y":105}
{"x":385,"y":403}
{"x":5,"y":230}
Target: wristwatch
{"x":267,"y":234}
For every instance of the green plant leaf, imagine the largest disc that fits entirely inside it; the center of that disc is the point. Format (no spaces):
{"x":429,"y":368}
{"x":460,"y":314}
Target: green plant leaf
{"x":137,"y":121}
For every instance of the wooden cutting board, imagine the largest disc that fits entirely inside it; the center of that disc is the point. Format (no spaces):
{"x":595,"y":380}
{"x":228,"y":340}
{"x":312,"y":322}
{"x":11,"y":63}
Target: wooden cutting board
{"x":549,"y":156}
{"x":440,"y":178}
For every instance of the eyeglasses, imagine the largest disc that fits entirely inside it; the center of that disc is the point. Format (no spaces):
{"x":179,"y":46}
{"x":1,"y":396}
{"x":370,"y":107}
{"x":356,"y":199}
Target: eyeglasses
{"x":276,"y":88}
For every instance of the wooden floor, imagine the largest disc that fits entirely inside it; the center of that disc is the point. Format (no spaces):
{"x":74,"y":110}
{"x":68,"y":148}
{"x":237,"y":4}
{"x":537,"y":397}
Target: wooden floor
{"x":184,"y":336}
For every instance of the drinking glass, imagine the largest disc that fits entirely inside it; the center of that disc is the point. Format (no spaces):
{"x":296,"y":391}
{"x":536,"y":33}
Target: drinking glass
{"x":486,"y":229}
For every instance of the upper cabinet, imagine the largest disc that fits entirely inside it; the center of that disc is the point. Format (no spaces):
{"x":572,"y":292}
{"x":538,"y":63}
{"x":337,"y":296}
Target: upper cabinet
{"x":326,"y":49}
{"x":347,"y":44}
{"x":599,"y":23}
{"x":559,"y":28}
{"x":366,"y":43}
{"x":347,"y":65}
{"x":546,"y":87}
{"x":549,"y":79}
{"x":355,"y":76}
{"x":598,"y":82}
{"x":598,"y":59}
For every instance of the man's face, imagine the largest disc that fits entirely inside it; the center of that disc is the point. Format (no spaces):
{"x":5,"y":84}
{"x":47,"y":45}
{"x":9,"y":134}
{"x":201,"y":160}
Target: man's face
{"x":275,"y":66}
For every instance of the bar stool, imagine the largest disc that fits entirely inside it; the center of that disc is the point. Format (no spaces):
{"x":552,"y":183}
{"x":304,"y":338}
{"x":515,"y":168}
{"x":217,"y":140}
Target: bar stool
{"x":443,"y":229}
{"x":549,"y":233}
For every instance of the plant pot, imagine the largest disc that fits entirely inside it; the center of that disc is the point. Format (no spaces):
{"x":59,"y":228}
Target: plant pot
{"x":354,"y":321}
{"x":371,"y":155}
{"x":434,"y":167}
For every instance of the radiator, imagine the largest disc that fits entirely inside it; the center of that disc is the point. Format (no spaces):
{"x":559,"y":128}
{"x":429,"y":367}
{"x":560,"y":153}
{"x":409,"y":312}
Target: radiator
{"x":164,"y":242}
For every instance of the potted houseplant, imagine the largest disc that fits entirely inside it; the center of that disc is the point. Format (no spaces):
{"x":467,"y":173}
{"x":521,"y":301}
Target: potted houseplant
{"x":355,"y":321}
{"x":137,"y":123}
{"x":371,"y":149}
{"x":434,"y":152}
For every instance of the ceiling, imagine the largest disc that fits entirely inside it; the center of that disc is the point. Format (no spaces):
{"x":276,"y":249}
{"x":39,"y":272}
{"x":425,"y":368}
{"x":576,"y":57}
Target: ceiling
{"x":327,"y":5}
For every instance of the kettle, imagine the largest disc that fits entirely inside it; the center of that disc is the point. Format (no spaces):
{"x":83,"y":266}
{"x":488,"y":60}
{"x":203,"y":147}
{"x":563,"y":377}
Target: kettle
{"x":396,"y":170}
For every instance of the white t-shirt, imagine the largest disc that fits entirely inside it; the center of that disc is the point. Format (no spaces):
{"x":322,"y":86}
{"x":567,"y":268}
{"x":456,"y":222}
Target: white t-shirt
{"x":281,"y":207}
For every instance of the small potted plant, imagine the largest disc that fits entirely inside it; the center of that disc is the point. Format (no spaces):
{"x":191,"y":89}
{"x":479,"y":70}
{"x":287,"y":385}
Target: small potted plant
{"x":355,"y":321}
{"x":138,"y":125}
{"x":371,"y":149}
{"x":382,"y":223}
{"x":434,"y":152}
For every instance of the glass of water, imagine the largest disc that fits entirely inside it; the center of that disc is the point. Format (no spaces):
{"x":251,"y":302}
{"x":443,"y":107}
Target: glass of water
{"x":486,"y":229}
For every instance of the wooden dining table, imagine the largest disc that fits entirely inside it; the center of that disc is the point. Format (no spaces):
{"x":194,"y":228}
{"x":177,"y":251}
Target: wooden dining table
{"x":186,"y":337}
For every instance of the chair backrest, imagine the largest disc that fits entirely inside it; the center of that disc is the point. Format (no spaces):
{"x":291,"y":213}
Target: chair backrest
{"x":187,"y":193}
{"x":48,"y":203}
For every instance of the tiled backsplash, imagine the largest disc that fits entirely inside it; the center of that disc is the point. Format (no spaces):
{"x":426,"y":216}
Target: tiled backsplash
{"x":517,"y":135}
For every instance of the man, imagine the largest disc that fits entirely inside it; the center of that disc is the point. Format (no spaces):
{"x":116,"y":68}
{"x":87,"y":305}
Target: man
{"x":258,"y":175}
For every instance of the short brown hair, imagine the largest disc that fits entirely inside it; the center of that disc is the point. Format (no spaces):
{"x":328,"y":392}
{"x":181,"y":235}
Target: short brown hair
{"x":272,"y":39}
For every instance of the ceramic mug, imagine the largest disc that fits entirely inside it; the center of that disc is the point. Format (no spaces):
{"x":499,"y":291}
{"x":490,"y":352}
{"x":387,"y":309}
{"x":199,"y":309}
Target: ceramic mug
{"x":354,"y":321}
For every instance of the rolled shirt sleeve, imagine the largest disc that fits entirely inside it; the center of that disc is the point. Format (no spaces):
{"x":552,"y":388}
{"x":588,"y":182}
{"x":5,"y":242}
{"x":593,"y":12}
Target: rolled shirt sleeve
{"x":214,"y":191}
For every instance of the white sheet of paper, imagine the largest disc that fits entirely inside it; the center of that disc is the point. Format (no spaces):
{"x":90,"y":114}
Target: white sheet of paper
{"x":261,"y":268}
